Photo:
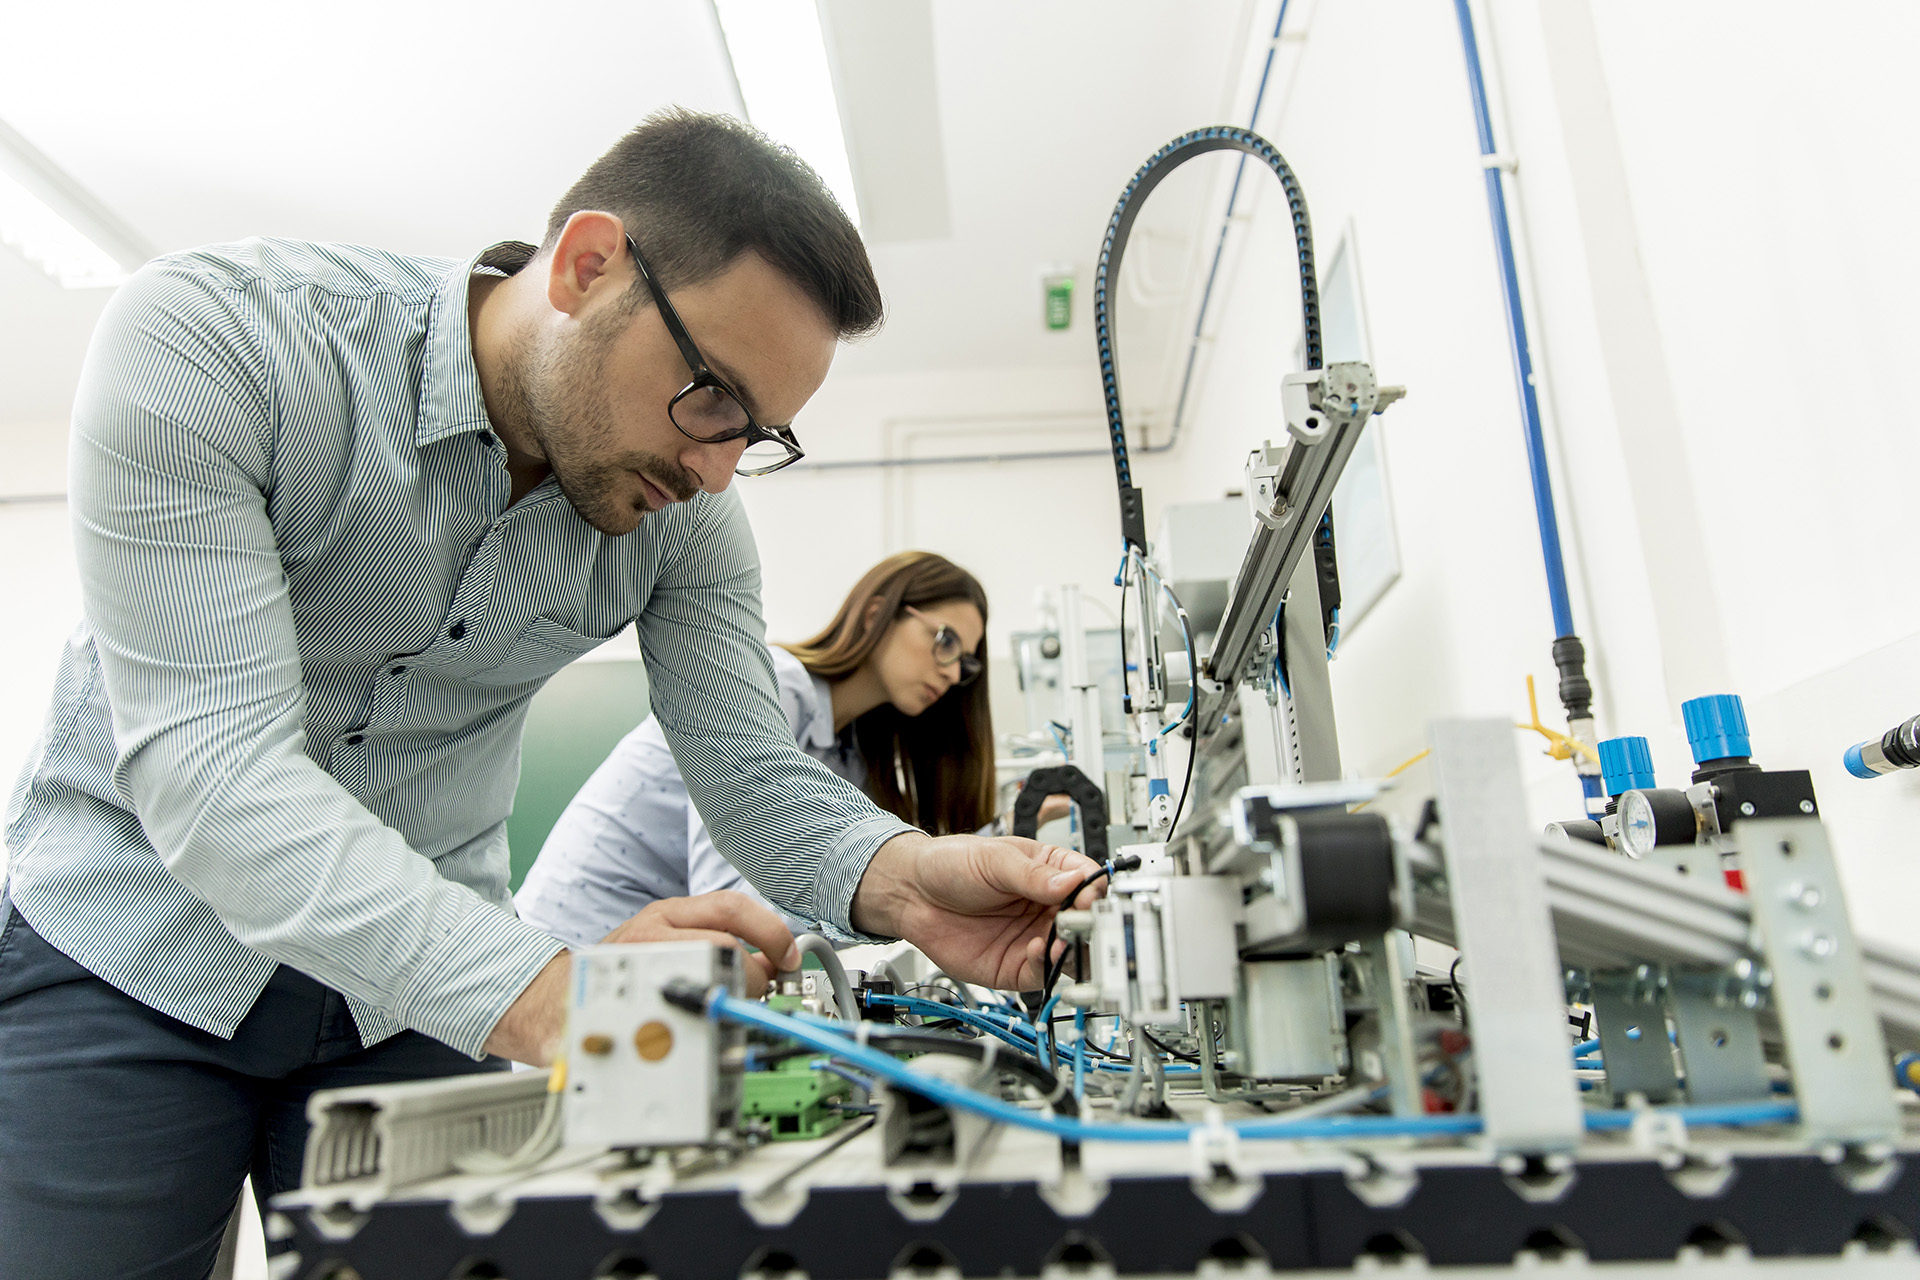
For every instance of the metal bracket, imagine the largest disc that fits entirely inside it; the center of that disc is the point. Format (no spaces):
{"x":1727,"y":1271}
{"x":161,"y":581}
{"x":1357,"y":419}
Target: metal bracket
{"x":1394,"y":1013}
{"x":1508,"y":950}
{"x":1719,"y":1038}
{"x":1632,"y":1014}
{"x":1841,"y":1075}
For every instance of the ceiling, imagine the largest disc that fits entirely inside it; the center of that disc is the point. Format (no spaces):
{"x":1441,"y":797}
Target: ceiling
{"x":440,"y":128}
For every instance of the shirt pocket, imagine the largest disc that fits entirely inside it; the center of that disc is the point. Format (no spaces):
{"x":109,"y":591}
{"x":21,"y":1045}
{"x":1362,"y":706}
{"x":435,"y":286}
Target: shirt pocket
{"x":536,"y":653}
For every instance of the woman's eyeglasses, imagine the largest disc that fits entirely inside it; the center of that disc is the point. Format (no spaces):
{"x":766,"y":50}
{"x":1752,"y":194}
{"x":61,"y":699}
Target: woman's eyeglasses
{"x":949,"y":648}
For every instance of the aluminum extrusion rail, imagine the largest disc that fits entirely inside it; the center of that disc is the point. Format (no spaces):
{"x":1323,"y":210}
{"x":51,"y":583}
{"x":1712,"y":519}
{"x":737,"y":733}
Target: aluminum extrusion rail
{"x":1611,"y":911}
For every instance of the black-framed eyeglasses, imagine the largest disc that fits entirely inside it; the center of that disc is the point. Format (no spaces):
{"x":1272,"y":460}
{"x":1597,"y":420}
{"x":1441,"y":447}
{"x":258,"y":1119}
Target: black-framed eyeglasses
{"x":949,"y":648}
{"x":707,"y":409}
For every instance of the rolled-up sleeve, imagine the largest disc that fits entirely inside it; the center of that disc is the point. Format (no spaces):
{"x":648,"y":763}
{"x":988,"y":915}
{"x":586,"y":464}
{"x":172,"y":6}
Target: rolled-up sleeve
{"x":187,"y":600}
{"x":801,"y":834}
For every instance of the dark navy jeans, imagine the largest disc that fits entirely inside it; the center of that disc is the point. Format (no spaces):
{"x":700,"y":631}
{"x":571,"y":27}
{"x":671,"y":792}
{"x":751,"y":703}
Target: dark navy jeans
{"x":125,"y":1134}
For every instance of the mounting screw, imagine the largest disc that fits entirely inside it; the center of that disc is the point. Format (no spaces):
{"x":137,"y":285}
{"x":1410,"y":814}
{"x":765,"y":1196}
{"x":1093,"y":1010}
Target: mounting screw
{"x":1746,"y":807}
{"x":1819,"y":946}
{"x":1806,"y":806}
{"x":1803,"y":895}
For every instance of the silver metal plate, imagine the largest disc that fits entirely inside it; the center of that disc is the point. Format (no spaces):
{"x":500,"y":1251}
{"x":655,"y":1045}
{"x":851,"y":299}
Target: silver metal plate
{"x":1841,"y":1073}
{"x":1509,"y":956}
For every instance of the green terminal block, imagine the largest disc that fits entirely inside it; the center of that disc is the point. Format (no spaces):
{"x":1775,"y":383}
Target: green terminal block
{"x":796,"y":1101}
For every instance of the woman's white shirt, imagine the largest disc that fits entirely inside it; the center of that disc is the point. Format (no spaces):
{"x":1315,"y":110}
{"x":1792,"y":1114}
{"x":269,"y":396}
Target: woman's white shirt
{"x":632,"y":835}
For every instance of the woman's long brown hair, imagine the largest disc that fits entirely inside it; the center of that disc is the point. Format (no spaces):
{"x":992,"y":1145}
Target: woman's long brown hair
{"x":934,"y":770}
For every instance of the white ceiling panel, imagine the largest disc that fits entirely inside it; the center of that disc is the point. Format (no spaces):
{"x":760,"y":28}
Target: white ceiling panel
{"x":439,"y":128}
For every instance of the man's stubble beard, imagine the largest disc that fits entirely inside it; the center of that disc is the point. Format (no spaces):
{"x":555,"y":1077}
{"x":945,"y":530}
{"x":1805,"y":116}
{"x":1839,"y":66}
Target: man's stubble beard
{"x":554,"y":390}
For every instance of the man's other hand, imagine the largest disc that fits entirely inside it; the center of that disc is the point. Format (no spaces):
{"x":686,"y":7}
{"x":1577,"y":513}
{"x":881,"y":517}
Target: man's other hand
{"x":722,"y":917}
{"x":978,"y":906}
{"x":532,"y":1026}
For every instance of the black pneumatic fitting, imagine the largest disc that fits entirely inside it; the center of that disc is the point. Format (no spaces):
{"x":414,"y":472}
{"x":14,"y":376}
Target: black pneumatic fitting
{"x":682,"y":994}
{"x":1901,"y":744}
{"x":1576,"y":694}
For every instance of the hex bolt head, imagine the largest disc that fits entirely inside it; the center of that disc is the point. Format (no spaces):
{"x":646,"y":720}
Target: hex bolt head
{"x":1803,"y":895}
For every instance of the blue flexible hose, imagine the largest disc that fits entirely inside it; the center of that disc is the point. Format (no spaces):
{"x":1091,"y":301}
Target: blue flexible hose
{"x":722,"y":1005}
{"x":1543,"y":507}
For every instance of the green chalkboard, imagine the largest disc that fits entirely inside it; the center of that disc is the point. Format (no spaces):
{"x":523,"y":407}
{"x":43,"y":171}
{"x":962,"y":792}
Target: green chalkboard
{"x":572,"y":725}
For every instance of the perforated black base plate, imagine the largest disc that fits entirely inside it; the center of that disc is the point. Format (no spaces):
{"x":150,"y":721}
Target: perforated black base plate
{"x":1774,"y":1206}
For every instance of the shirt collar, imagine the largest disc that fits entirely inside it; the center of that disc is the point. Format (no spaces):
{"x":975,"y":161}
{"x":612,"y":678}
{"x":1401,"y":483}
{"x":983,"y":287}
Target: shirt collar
{"x":450,"y":399}
{"x":818,"y":731}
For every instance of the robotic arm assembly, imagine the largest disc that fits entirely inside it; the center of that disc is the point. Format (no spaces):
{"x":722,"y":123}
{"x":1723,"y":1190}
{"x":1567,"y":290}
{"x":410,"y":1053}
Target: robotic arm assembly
{"x":1294,"y":1034}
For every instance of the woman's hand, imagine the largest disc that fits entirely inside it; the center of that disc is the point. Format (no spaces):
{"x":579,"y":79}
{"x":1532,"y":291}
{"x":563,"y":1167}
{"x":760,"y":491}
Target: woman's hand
{"x":1053,"y":808}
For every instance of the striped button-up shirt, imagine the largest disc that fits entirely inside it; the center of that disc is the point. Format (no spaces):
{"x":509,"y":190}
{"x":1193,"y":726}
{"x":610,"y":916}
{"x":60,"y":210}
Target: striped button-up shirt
{"x":288,"y":730}
{"x":629,"y":837}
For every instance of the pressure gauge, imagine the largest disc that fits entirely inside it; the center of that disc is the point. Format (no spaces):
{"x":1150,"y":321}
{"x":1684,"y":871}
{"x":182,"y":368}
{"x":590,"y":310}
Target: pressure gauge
{"x":1655,"y":817}
{"x":1637,"y":830}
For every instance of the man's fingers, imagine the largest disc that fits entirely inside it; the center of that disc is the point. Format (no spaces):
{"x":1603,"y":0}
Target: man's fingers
{"x":759,"y":972}
{"x":735,"y":913}
{"x":1035,"y":877}
{"x":652,"y":928}
{"x":1035,"y":964}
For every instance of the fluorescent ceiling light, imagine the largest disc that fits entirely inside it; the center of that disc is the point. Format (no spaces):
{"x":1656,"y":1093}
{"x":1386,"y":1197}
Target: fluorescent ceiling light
{"x":30,"y":227}
{"x":780,"y":61}
{"x":57,"y":225}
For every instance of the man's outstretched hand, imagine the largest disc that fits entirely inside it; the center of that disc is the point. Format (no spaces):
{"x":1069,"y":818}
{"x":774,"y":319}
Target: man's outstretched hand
{"x":530,"y":1030}
{"x":978,"y":906}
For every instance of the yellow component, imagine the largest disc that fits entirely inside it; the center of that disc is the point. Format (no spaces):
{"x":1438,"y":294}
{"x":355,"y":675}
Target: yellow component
{"x":557,"y":1078}
{"x":1910,"y":1071}
{"x":597,"y":1043}
{"x":1407,"y":764}
{"x":1395,"y":772}
{"x":1561,"y":746}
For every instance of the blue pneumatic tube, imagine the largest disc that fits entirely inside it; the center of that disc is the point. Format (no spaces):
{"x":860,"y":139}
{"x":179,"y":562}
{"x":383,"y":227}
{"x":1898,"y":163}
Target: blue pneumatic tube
{"x":1898,"y":748}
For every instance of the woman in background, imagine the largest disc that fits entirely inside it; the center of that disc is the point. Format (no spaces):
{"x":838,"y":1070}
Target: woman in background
{"x":892,"y":696}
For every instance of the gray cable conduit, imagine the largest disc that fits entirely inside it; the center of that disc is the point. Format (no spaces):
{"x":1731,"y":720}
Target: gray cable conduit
{"x":814,"y":945}
{"x":1168,"y":158}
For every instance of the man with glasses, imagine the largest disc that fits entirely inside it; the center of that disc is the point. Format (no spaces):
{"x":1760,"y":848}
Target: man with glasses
{"x":338,"y":514}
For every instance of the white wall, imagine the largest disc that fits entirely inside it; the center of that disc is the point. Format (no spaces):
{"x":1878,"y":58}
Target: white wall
{"x":38,"y":582}
{"x":1717,"y":254}
{"x":1016,"y":527}
{"x":1717,"y":234}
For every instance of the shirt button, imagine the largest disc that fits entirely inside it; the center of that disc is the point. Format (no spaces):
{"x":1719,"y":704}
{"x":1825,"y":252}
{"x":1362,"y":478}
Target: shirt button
{"x":458,"y":630}
{"x":355,"y":739}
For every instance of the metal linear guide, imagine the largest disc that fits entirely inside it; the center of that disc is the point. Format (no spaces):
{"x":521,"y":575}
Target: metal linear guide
{"x":1326,"y":410}
{"x":1611,"y":912}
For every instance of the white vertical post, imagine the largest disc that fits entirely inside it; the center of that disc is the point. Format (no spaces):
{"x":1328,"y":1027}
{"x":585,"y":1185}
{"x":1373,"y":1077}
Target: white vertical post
{"x":1083,"y":692}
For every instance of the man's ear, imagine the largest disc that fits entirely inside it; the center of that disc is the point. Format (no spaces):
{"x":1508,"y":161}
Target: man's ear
{"x":589,"y":259}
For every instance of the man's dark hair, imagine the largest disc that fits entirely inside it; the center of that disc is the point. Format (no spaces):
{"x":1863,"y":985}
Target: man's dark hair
{"x":697,"y":191}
